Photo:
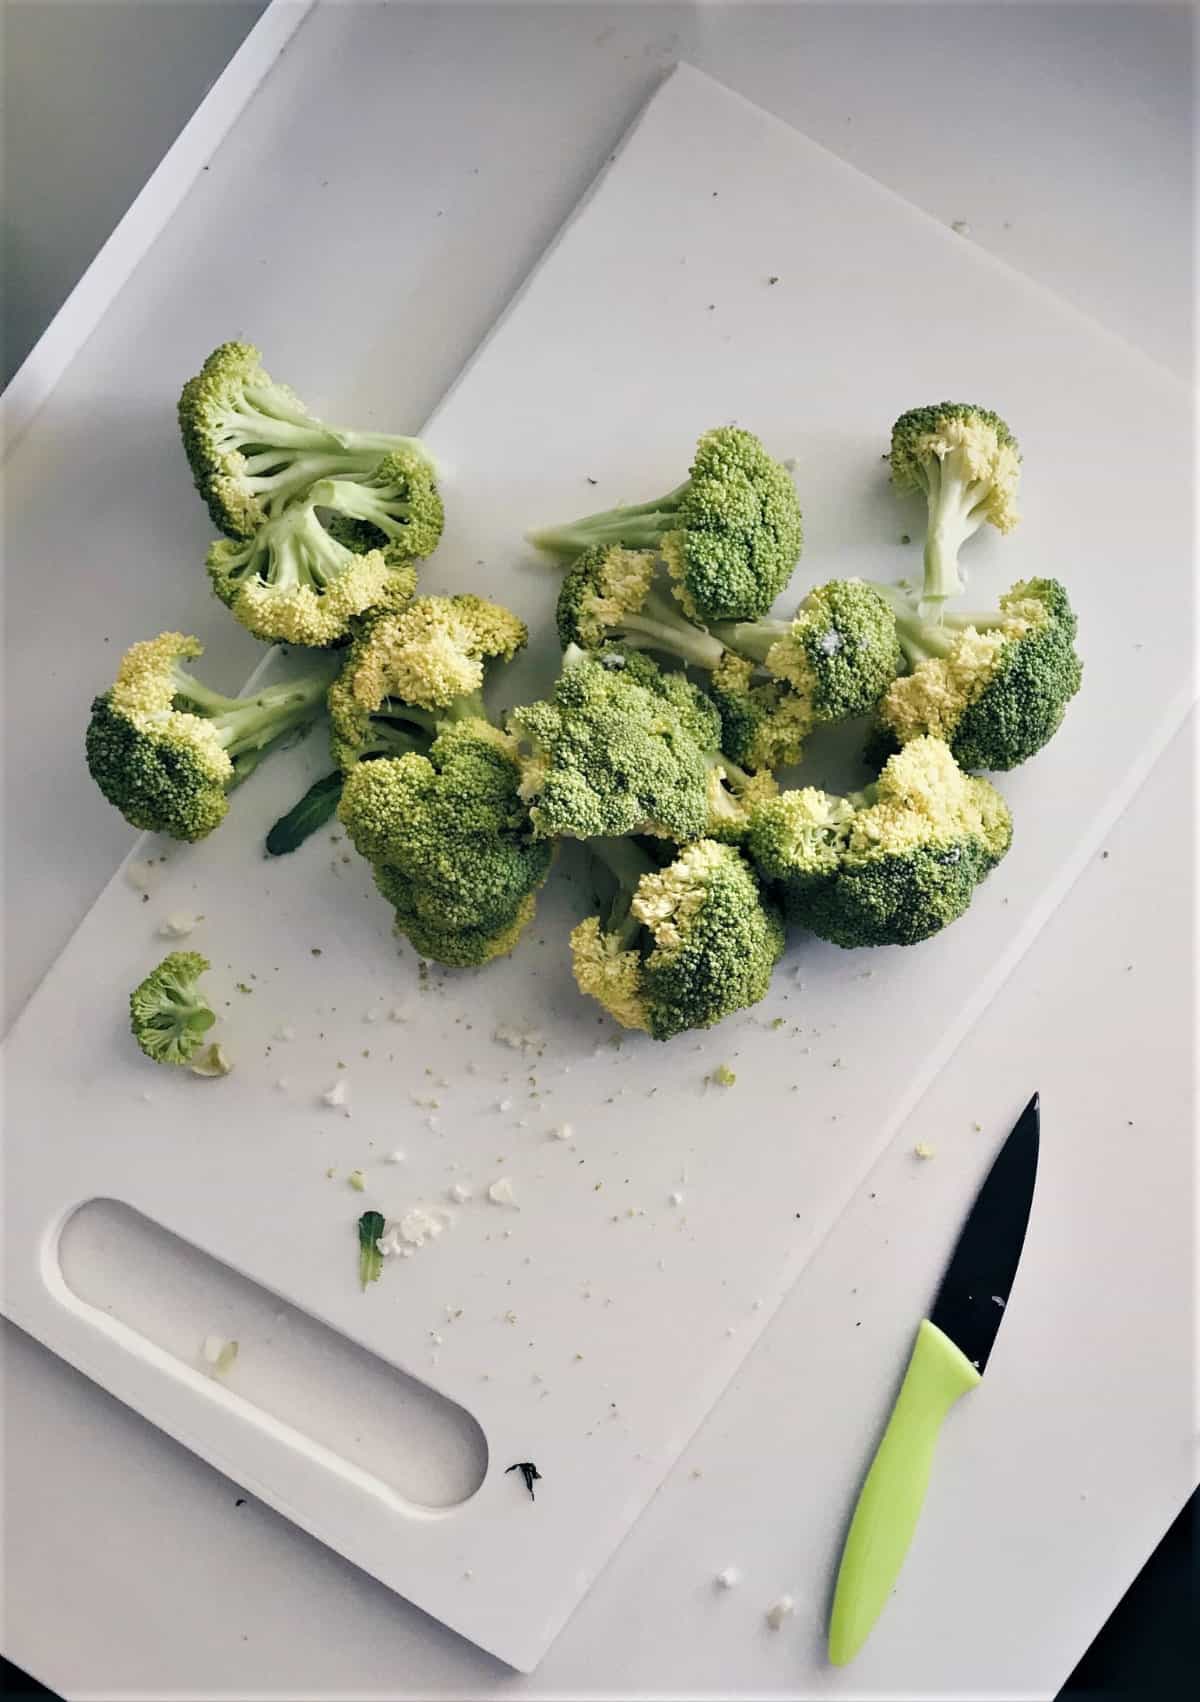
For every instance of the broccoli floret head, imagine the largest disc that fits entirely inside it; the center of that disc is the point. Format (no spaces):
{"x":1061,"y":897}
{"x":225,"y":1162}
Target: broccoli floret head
{"x":764,"y":723}
{"x":730,"y":534}
{"x":892,"y":867}
{"x":968,"y":465}
{"x":688,"y":944}
{"x":293,"y":582}
{"x":601,"y":590}
{"x":618,"y":748}
{"x":166,"y":751}
{"x":996,"y":686}
{"x":450,"y":840}
{"x":253,"y":446}
{"x":168,"y":1014}
{"x":841,"y":652}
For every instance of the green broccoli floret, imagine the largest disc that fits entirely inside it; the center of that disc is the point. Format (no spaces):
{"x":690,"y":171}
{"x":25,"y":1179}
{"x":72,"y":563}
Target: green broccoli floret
{"x":396,"y":506}
{"x":968,"y":464}
{"x":293,"y":582}
{"x":168,"y":1014}
{"x":683,"y":946}
{"x":772,"y":680}
{"x":450,"y":841}
{"x":730,"y":534}
{"x":995,"y":686}
{"x":253,"y":446}
{"x":407,"y":672}
{"x":167,"y":751}
{"x":890,"y":866}
{"x":621,"y":748}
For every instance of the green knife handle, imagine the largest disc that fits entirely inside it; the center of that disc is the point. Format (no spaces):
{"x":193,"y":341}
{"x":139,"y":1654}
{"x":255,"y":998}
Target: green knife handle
{"x":889,"y":1503}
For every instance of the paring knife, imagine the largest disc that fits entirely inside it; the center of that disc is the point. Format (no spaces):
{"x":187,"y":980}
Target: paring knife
{"x":949,"y":1357}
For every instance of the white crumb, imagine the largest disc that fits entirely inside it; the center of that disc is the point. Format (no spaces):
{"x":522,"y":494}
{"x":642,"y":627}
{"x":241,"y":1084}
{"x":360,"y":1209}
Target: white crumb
{"x":397,"y":1015}
{"x":396,"y":1156}
{"x":212,"y":1061}
{"x":501,"y":1192}
{"x":412,"y":1229}
{"x":504,"y":1105}
{"x":779,"y":1611}
{"x":676,"y":1198}
{"x":564,"y":1132}
{"x":337,"y":1094}
{"x":140,"y":876}
{"x":729,"y":1578}
{"x":371,"y":1016}
{"x":282,"y":1085}
{"x":178,"y":925}
{"x":287,"y":1032}
{"x":459,"y":1191}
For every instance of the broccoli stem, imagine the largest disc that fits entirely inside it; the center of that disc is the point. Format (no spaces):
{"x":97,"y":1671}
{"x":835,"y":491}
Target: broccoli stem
{"x":277,"y":483}
{"x":350,"y":497}
{"x":923,"y":636}
{"x":626,"y":862}
{"x":638,"y":526}
{"x":269,"y":419}
{"x":751,"y":639}
{"x":956,"y":506}
{"x":657,"y":626}
{"x":247,"y":725}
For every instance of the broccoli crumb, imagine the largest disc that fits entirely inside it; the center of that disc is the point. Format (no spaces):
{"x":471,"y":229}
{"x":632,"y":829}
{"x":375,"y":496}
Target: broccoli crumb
{"x":357,"y":1181}
{"x":924,"y":1150}
{"x":722,"y":1076}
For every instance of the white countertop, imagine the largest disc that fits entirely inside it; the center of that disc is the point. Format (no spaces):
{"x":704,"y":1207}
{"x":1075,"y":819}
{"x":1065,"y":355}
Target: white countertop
{"x":1062,"y":137}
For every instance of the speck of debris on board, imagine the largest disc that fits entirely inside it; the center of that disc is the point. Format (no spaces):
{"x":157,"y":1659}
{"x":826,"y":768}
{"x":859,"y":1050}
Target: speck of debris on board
{"x":336,"y":1095}
{"x":218,"y":1354}
{"x":315,"y":951}
{"x":774,"y":278}
{"x":501,"y":1192}
{"x":960,"y":227}
{"x":722,"y":1076}
{"x":178,"y":925}
{"x":924,"y":1150}
{"x":728,"y":1578}
{"x":779,"y":1611}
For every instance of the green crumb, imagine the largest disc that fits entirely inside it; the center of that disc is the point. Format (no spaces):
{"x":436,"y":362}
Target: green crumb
{"x":722,"y":1076}
{"x":778,"y":1022}
{"x":904,"y":538}
{"x":242,"y":987}
{"x":357,"y":1181}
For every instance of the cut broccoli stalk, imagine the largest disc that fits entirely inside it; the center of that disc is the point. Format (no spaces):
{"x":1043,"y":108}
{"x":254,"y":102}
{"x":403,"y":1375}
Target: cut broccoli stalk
{"x":370,"y":1259}
{"x":626,"y":862}
{"x":639,"y":526}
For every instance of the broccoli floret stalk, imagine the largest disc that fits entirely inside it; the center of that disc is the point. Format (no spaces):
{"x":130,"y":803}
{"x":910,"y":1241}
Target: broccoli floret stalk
{"x":683,"y":946}
{"x":968,"y":465}
{"x":730,"y":534}
{"x":450,"y":842}
{"x":889,"y":866}
{"x":293,"y":582}
{"x":167,"y":751}
{"x":253,"y":446}
{"x":609,"y":596}
{"x":994,"y":685}
{"x":395,"y":504}
{"x":407,"y":673}
{"x":622,"y":748}
{"x":168,"y":1014}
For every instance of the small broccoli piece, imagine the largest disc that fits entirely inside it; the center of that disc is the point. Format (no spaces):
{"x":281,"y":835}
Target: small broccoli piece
{"x":730,"y":534}
{"x":253,"y":446}
{"x":408,"y":672}
{"x":968,"y":464}
{"x":168,"y":1014}
{"x":395,"y":505}
{"x":608,"y":596}
{"x":450,"y":841}
{"x":839,"y":652}
{"x":995,"y":686}
{"x":167,"y":751}
{"x":764,"y":723}
{"x":370,"y":1260}
{"x":684,"y":946}
{"x":293,"y":582}
{"x":890,"y":866}
{"x":619,"y":748}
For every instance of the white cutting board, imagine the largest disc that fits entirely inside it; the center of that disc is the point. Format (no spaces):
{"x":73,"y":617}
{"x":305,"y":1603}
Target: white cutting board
{"x":652,"y":317}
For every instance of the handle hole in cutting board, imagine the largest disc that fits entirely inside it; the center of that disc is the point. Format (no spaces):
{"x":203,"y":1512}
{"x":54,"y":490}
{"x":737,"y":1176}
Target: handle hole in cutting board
{"x":328,"y":1389}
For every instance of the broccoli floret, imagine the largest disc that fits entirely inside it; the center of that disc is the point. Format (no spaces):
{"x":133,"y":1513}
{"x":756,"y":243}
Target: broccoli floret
{"x":253,"y":446}
{"x":396,"y":504}
{"x":293,"y":582}
{"x":406,"y":673}
{"x":622,"y":748}
{"x":839,"y":652}
{"x":168,"y":1014}
{"x":968,"y":464}
{"x":167,"y":751}
{"x":773,"y":680}
{"x":995,"y":686}
{"x":890,"y":866}
{"x":450,"y":841}
{"x":730,"y":534}
{"x":684,"y":946}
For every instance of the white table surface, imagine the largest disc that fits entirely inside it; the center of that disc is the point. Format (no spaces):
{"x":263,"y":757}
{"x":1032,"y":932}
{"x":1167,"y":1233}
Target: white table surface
{"x":1062,"y":135}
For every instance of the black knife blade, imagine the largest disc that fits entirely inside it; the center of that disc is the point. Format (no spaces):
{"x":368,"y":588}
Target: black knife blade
{"x":975,"y":1289}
